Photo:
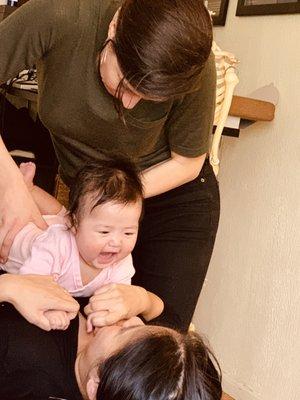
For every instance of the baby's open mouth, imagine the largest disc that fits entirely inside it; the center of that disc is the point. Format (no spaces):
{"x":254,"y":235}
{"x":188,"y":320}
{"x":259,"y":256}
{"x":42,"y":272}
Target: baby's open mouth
{"x":106,"y":257}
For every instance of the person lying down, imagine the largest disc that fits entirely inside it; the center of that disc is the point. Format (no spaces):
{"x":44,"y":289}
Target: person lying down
{"x":87,"y":249}
{"x":128,"y":361}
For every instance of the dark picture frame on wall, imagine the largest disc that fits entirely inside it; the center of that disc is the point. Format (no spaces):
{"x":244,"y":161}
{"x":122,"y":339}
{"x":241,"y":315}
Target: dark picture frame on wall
{"x":267,"y":7}
{"x":219,"y":8}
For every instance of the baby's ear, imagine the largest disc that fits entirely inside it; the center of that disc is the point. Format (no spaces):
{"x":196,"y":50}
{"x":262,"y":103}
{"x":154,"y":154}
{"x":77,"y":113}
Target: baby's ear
{"x":91,"y":388}
{"x":73,"y":224}
{"x":73,"y":229}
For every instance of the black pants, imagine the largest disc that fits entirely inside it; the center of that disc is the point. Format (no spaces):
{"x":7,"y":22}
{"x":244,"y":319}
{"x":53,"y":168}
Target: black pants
{"x":175,"y":244}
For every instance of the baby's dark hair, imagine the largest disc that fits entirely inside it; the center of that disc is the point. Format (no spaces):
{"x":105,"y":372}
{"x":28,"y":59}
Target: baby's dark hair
{"x":110,"y":179}
{"x":164,"y":366}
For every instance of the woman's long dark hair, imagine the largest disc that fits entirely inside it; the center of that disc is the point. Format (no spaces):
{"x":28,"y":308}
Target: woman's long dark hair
{"x":162,"y":45}
{"x":166,"y":366}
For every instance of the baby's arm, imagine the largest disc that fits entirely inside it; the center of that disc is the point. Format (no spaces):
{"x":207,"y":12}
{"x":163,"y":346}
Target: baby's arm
{"x":47,"y":204}
{"x":58,"y":319}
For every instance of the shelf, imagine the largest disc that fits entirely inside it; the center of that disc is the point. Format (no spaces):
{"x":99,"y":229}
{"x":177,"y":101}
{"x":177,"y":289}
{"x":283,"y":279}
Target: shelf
{"x":24,"y":94}
{"x":252,"y":109}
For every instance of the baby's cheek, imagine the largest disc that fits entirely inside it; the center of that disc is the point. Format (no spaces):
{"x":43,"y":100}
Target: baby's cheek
{"x":88,"y":246}
{"x":132,"y":244}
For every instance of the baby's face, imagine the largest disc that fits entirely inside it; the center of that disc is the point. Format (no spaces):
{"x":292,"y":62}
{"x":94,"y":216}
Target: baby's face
{"x":108,"y":233}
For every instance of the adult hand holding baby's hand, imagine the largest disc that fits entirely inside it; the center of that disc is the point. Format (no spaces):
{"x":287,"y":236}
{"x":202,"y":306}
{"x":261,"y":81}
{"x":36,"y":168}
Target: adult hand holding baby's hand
{"x":114,"y":302}
{"x":33,"y":295}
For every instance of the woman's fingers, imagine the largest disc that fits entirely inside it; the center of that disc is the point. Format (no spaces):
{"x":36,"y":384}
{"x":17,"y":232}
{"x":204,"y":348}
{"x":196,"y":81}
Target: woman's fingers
{"x":91,"y":321}
{"x":37,"y":318}
{"x":9,"y":238}
{"x":9,"y":231}
{"x":67,"y":304}
{"x":104,"y":304}
{"x":95,"y":300}
{"x":57,"y":297}
{"x":111,"y":292}
{"x":105,"y":296}
{"x":7,"y":235}
{"x":87,"y":309}
{"x":106,"y":288}
{"x":100,"y":305}
{"x":113,"y":303}
{"x":89,"y":326}
{"x":33,"y":295}
{"x":102,"y":313}
{"x":42,"y":322}
{"x":99,"y":319}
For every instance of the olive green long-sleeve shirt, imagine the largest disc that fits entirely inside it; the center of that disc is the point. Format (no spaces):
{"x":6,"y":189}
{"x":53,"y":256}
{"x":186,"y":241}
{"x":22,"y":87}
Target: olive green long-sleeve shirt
{"x":63,"y":38}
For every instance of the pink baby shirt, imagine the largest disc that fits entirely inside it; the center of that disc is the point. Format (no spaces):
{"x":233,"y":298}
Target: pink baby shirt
{"x":54,"y":251}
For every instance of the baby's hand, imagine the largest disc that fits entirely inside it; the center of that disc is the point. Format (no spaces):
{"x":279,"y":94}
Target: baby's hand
{"x":57,"y":319}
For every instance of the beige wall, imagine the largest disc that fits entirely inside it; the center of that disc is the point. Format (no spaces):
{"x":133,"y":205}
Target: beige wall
{"x":250,"y":306}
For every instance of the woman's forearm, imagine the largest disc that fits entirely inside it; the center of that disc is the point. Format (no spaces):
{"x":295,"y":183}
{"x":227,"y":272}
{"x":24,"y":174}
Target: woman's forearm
{"x":5,"y":288}
{"x":171,"y":173}
{"x":154,"y":306}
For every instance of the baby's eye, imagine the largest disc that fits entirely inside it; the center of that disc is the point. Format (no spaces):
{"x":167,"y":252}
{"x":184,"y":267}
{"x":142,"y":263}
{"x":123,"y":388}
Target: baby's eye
{"x":129,"y":233}
{"x":103,"y":232}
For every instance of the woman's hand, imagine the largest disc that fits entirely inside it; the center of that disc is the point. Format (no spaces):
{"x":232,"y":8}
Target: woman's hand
{"x":114,"y":302}
{"x":32,"y":295}
{"x":17,"y":208}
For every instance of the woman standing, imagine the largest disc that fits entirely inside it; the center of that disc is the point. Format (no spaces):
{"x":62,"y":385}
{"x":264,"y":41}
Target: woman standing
{"x":135,"y":76}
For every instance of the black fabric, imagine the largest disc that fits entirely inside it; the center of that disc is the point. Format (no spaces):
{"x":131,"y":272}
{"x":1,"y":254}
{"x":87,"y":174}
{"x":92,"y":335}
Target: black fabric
{"x":175,"y":244}
{"x":83,"y":301}
{"x":35,"y":364}
{"x":20,"y":132}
